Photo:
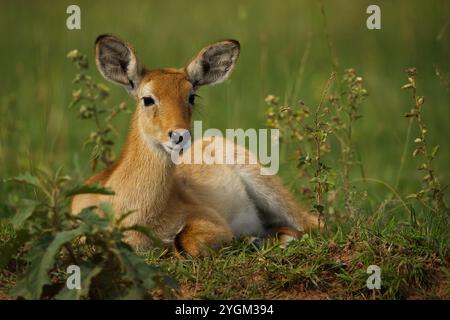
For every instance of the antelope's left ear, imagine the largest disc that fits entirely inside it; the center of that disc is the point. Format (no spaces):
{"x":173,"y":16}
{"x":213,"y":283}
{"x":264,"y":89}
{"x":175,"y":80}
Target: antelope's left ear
{"x":214,"y":63}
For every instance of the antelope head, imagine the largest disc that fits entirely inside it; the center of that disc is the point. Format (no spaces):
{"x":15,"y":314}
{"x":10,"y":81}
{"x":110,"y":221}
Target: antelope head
{"x":165,"y":97}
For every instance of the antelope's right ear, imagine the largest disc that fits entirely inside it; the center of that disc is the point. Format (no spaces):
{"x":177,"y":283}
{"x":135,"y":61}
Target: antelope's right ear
{"x":117,"y":62}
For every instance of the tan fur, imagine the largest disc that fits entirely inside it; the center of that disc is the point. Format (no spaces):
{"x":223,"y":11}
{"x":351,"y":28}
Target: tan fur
{"x":191,"y":206}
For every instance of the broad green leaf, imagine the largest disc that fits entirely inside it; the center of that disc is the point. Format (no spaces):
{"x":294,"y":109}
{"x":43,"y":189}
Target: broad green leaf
{"x":136,"y":269}
{"x":24,"y":211}
{"x":42,"y":260}
{"x":88,"y":272}
{"x":27,"y":178}
{"x":91,"y":218}
{"x":27,"y":287}
{"x":92,"y":188}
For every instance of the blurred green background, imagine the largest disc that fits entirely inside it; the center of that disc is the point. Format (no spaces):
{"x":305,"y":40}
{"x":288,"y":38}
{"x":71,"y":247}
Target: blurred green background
{"x":36,"y":126}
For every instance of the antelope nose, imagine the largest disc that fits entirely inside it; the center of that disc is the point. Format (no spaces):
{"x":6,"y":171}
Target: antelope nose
{"x":178,"y":136}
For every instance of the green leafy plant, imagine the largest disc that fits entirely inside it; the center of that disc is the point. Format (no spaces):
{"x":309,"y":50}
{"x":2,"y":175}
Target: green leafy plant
{"x":310,"y":131}
{"x":347,"y":106}
{"x":432,"y":192}
{"x":52,"y":239}
{"x":90,"y":97}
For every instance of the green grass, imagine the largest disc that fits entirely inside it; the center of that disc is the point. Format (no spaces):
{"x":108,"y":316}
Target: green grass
{"x":284,"y":52}
{"x":413,"y":266}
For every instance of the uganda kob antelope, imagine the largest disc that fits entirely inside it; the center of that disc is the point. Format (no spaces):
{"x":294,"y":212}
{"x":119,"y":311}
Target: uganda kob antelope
{"x":190,"y":207}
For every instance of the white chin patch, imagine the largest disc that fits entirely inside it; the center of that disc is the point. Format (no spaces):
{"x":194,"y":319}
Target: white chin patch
{"x":171,"y":149}
{"x":167,"y":147}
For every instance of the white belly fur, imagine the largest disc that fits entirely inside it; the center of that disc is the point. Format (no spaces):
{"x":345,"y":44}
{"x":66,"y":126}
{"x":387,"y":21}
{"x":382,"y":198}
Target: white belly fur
{"x":246,"y":222}
{"x":220,"y":187}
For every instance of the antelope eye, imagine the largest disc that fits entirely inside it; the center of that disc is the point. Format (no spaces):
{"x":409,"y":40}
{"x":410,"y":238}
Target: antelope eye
{"x":192,"y":99}
{"x":148,"y":101}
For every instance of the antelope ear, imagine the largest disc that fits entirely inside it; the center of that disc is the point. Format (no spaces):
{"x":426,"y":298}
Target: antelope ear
{"x":117,"y":62}
{"x":214,"y":63}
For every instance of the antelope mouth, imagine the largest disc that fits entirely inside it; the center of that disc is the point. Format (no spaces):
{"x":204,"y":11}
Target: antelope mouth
{"x":170,"y":148}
